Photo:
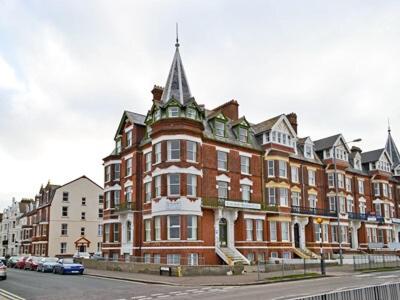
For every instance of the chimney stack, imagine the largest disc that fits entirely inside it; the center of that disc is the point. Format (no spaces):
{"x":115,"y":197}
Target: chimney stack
{"x":230,"y":109}
{"x":157,"y":92}
{"x":292,"y":117}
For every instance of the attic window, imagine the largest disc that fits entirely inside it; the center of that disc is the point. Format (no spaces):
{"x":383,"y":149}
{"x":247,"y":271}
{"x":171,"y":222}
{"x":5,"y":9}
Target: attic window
{"x":357,"y":164}
{"x":308,"y":151}
{"x":173,"y":112}
{"x":281,"y":138}
{"x":157,"y":115}
{"x":191,"y":113}
{"x":129,"y":138}
{"x":243,"y":134}
{"x":383,"y":166}
{"x":118,"y":145}
{"x":219,"y":128}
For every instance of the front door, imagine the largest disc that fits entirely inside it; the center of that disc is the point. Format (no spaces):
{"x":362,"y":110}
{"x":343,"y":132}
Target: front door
{"x":297,"y":235}
{"x":223,"y":233}
{"x":82,"y":248}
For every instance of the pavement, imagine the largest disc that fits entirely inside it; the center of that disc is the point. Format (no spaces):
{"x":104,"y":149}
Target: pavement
{"x":32,"y":285}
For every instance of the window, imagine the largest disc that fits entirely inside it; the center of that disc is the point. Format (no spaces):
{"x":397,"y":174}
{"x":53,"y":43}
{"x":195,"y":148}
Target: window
{"x":99,"y":230}
{"x":174,"y":149}
{"x":361,"y":187}
{"x":295,"y":174}
{"x":344,"y":234}
{"x":348,"y":184}
{"x":331,"y":180}
{"x":128,"y":231}
{"x":157,"y":151}
{"x":174,"y":228}
{"x":147,"y":230}
{"x":271,"y":168}
{"x":285,"y":231}
{"x":222,"y":160}
{"x":193,"y":259}
{"x":378,"y":209}
{"x":243,"y":134}
{"x":219,"y":128}
{"x":128,"y":194}
{"x":157,"y":115}
{"x":117,"y":171}
{"x":385,"y":190}
{"x":128,"y":167}
{"x":174,"y":185}
{"x":107,"y":232}
{"x":108,"y":199}
{"x":246,"y":189}
{"x":325,"y":233}
{"x":64,"y":211}
{"x":390,"y":192}
{"x":157,"y":228}
{"x":245,"y":164}
{"x":117,"y":197}
{"x":191,"y":113}
{"x":157,"y":258}
{"x":259,"y":230}
{"x":296,"y":199}
{"x":342,"y":205}
{"x":157,"y":186}
{"x":386,"y":209}
{"x":64,"y":229}
{"x":63,"y":248}
{"x":116,"y":232}
{"x":191,"y":185}
{"x":308,"y":151}
{"x":271,"y":196}
{"x":118,"y":146}
{"x":283,"y":197}
{"x":148,"y":162}
{"x":317,"y":235}
{"x":362,"y":208}
{"x":65,"y":196}
{"x":272,"y":231}
{"x":380,"y":236}
{"x":173,"y":112}
{"x":173,"y":259}
{"x":147,"y":188}
{"x":334,"y":233}
{"x":311,"y":177}
{"x":192,"y":227}
{"x":312,"y":199}
{"x":129,"y":138}
{"x":83,"y":215}
{"x":376,"y":189}
{"x":349,"y":205}
{"x":191,"y":151}
{"x":222,"y":190}
{"x":340,"y":179}
{"x":83,"y":201}
{"x":101,"y":199}
{"x":282,"y":169}
{"x":82,"y":231}
{"x":332,"y":203}
{"x":249,"y":229}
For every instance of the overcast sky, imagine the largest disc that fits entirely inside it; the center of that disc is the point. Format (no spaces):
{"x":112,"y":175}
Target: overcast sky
{"x":68,"y":69}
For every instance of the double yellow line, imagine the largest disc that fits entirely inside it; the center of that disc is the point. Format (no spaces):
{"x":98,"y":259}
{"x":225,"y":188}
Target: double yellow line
{"x":11,"y":296}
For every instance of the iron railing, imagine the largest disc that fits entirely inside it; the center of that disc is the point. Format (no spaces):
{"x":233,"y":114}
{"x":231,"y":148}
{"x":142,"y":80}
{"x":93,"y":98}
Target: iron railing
{"x":313,"y":211}
{"x":124,"y":207}
{"x":357,"y":216}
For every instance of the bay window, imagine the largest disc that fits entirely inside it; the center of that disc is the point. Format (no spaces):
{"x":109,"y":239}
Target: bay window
{"x":191,"y":151}
{"x":295,"y":174}
{"x":192,"y":227}
{"x":174,"y":185}
{"x":174,"y":149}
{"x":271,"y":168}
{"x":157,"y":186}
{"x":259,"y":230}
{"x":249,"y":229}
{"x":191,"y":185}
{"x":174,"y":227}
{"x":283,"y":197}
{"x":282,"y":169}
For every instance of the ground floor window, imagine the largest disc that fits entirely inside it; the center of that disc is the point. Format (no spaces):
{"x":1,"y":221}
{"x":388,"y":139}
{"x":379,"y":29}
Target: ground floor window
{"x":173,"y":259}
{"x":274,"y":255}
{"x":147,"y":258}
{"x":260,"y":257}
{"x":287,"y":255}
{"x":157,"y":258}
{"x":193,"y":259}
{"x":334,"y":233}
{"x":115,"y":256}
{"x":63,"y":248}
{"x":380,"y":236}
{"x":250,"y":257}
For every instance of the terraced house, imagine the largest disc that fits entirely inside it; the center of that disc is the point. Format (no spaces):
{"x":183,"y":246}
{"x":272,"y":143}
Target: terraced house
{"x":191,"y":185}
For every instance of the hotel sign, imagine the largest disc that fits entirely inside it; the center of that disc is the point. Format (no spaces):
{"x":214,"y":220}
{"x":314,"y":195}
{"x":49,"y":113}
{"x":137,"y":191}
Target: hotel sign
{"x":238,"y":204}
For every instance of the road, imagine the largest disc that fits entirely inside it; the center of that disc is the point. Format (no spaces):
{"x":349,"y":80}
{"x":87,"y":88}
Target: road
{"x":35,"y":286}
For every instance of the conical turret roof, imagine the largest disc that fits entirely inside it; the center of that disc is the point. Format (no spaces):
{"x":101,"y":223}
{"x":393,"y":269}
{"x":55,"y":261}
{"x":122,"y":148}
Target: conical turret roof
{"x":391,"y":148}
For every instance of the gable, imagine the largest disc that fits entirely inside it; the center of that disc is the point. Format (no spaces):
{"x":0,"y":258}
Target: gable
{"x":283,"y":125}
{"x":385,"y":157}
{"x":341,"y":143}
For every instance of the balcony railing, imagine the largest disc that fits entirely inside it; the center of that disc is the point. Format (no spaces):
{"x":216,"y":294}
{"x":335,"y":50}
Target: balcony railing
{"x":357,"y":216}
{"x":313,"y":211}
{"x":220,"y":202}
{"x":125,"y":207}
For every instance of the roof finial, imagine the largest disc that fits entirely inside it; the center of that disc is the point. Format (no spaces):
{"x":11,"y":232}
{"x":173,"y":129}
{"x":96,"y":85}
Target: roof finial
{"x":177,"y":37}
{"x":389,"y":126}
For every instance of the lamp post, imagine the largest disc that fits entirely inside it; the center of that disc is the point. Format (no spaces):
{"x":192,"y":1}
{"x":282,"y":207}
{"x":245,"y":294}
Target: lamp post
{"x":337,"y":200}
{"x":319,"y":221}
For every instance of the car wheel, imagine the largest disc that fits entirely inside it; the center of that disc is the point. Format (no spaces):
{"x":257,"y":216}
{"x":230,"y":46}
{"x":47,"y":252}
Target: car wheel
{"x":62,"y":271}
{"x":81,"y":272}
{"x":54,"y":271}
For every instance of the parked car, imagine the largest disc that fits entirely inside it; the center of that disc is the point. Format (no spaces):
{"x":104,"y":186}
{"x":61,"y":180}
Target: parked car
{"x":97,"y":256}
{"x":31,"y":263}
{"x":21,"y":262}
{"x":3,"y":260}
{"x":12,"y":261}
{"x":67,"y":266}
{"x":47,"y":264}
{"x":85,"y":255}
{"x":3,"y":271}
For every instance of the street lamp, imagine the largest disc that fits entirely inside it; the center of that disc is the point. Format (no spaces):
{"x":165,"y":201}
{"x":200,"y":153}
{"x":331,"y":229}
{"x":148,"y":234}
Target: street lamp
{"x":337,"y":199}
{"x":319,"y":221}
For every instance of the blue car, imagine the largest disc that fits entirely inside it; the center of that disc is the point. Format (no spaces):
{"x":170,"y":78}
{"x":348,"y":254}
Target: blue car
{"x":67,"y":266}
{"x":47,"y":264}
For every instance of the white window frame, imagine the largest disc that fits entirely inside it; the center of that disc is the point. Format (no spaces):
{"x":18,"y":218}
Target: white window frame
{"x":246,"y":192}
{"x":223,"y":186}
{"x":222,"y":160}
{"x":157,"y":186}
{"x":191,"y":151}
{"x":285,"y":234}
{"x":128,"y":164}
{"x":148,"y":162}
{"x":294,"y":170}
{"x":245,"y":164}
{"x":157,"y":153}
{"x":191,"y":185}
{"x":259,"y":230}
{"x":282,"y":169}
{"x":273,"y":231}
{"x":157,"y":228}
{"x":170,"y":184}
{"x":147,"y":189}
{"x":174,"y":153}
{"x":219,"y":128}
{"x":192,"y":228}
{"x":249,"y":229}
{"x":175,"y":226}
{"x":173,"y":112}
{"x":271,"y":168}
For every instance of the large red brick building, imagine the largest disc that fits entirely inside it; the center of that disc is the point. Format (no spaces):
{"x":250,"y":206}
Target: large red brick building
{"x":187,"y":184}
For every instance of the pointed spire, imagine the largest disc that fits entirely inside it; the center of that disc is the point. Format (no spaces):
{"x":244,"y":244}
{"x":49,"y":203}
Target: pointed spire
{"x":177,"y":86}
{"x":391,"y":148}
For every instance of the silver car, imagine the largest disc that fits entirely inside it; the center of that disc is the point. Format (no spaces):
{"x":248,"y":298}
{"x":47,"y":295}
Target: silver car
{"x":3,"y":271}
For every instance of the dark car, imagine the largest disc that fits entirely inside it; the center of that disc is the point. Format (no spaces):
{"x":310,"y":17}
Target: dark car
{"x":47,"y":264}
{"x":12,"y":261}
{"x":67,"y":266}
{"x":31,"y":263}
{"x":21,"y":262}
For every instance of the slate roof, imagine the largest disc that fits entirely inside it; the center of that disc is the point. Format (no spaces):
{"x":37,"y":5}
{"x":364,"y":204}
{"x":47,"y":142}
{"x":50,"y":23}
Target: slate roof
{"x":326,"y":143}
{"x":135,"y":118}
{"x":391,"y":148}
{"x":265,"y":125}
{"x":371,"y":156}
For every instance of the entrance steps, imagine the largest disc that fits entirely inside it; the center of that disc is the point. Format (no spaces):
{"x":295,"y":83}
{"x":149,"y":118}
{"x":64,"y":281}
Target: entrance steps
{"x":231,"y":256}
{"x":305,"y":253}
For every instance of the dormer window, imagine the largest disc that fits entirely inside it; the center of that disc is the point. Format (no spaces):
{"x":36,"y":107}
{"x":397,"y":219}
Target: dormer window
{"x":357,"y":164}
{"x":118,"y":145}
{"x":280,"y":138}
{"x":173,"y":112}
{"x":243,"y":134}
{"x":219,"y":128}
{"x":341,"y":154}
{"x":308,"y":151}
{"x":383,"y":166}
{"x":191,"y":113}
{"x":129,"y":138}
{"x":157,"y":115}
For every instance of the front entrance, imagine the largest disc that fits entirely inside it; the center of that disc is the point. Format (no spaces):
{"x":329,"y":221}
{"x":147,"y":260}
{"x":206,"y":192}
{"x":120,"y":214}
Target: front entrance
{"x":223,"y":232}
{"x":296,"y":235}
{"x":82,"y":248}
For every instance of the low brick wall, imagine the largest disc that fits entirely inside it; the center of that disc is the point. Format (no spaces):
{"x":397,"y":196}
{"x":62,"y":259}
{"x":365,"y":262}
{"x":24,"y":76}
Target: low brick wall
{"x":155,"y":268}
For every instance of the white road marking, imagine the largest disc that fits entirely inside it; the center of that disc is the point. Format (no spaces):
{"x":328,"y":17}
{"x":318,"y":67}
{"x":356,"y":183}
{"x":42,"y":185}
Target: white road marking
{"x":192,"y":290}
{"x":363,"y":275}
{"x":155,"y":295}
{"x":182,"y":294}
{"x":9,"y":295}
{"x":138,"y":297}
{"x":387,"y":276}
{"x":164,"y":296}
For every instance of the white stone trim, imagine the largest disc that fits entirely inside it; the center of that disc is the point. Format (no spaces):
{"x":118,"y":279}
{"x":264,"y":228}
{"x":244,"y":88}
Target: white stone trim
{"x":111,"y":221}
{"x":176,"y":137}
{"x":362,"y":199}
{"x":177,"y":170}
{"x":146,"y":217}
{"x":112,"y":162}
{"x":371,"y":226}
{"x":128,"y":183}
{"x":126,"y":157}
{"x":246,"y":181}
{"x":223,"y":177}
{"x":254,"y":217}
{"x":147,"y":150}
{"x":115,"y":187}
{"x":178,"y":247}
{"x":377,"y":201}
{"x":147,"y":179}
{"x":180,"y":206}
{"x":223,"y":149}
{"x":249,"y":155}
{"x":129,"y":128}
{"x":385,"y":227}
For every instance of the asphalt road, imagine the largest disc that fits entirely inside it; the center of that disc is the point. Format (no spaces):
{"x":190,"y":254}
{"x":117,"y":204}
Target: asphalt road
{"x":33,"y":285}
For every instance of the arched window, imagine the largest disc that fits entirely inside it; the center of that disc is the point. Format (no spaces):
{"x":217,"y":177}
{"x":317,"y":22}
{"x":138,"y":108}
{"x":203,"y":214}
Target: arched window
{"x":128,"y":231}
